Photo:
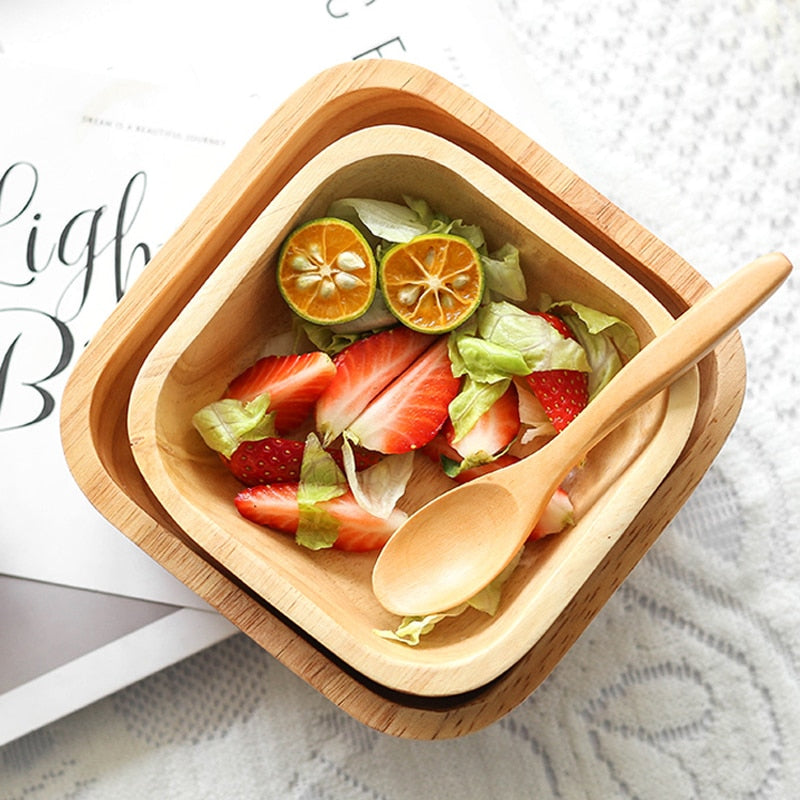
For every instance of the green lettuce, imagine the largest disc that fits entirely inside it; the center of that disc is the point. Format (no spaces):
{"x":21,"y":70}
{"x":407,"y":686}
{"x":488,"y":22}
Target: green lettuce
{"x":391,"y":222}
{"x":504,"y":276}
{"x":377,"y":488}
{"x":479,"y":458}
{"x":485,"y":361}
{"x":412,"y":629}
{"x":436,"y":222}
{"x":325,"y":339}
{"x":225,"y":424}
{"x":540,"y":344}
{"x":606,"y":339}
{"x":472,"y":401}
{"x":320,"y":480}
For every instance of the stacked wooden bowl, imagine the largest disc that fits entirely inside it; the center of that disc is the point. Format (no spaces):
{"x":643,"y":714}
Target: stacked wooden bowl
{"x":383,"y":129}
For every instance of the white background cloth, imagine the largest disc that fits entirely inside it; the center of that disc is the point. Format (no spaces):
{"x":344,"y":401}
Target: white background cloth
{"x":686,"y":685}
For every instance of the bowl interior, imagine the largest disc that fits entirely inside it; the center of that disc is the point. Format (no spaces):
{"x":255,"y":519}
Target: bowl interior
{"x":238,"y":316}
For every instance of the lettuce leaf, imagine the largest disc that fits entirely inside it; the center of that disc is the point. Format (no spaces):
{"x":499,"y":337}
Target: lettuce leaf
{"x":377,"y":488}
{"x":540,"y":344}
{"x":504,"y":276}
{"x":225,"y":424}
{"x":318,"y":529}
{"x":473,"y":400}
{"x":477,"y":459}
{"x":320,"y":480}
{"x":598,"y":322}
{"x":436,"y":222}
{"x":485,"y":361}
{"x":412,"y":629}
{"x":606,"y":339}
{"x":391,"y":222}
{"x":488,"y":599}
{"x":426,"y":215}
{"x":325,"y":339}
{"x":500,"y":342}
{"x":472,"y":233}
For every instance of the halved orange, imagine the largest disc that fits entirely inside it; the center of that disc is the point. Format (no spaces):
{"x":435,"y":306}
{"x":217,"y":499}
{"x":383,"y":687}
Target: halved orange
{"x":433,"y":282}
{"x":327,"y":272}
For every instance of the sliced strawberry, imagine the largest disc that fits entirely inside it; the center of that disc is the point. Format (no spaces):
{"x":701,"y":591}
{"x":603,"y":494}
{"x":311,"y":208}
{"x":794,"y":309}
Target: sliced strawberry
{"x":494,"y":430}
{"x":439,"y":451}
{"x":557,"y":516}
{"x":270,"y":460}
{"x":438,"y":446}
{"x":276,"y":507}
{"x":278,"y":460}
{"x":363,"y":369}
{"x":294,"y":382}
{"x":563,"y":393}
{"x":411,"y":410}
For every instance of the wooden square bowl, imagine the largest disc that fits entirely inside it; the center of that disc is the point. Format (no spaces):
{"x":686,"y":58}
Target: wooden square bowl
{"x":238,"y":315}
{"x":97,"y":442}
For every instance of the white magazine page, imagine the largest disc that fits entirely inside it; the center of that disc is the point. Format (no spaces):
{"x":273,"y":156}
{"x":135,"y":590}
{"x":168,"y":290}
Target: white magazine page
{"x":81,"y":213}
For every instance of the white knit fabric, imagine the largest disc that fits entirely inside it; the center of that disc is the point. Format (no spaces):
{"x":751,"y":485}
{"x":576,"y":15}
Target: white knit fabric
{"x":687,"y":684}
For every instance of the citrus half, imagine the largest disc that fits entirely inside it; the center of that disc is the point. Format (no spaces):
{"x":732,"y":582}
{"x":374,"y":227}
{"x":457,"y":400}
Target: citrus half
{"x":327,"y":272}
{"x":433,"y":282}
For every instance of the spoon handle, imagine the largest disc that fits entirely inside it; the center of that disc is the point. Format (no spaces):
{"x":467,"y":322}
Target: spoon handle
{"x":691,"y":336}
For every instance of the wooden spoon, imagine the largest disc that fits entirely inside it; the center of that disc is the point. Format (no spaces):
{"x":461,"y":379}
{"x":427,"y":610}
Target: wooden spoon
{"x":455,"y":545}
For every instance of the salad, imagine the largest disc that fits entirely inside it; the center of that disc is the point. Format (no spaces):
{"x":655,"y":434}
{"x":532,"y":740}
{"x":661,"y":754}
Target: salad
{"x":414,"y":340}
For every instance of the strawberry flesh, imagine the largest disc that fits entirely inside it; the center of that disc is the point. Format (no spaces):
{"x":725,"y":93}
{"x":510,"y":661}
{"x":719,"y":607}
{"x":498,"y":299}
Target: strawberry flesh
{"x":495,"y":429}
{"x":444,"y":454}
{"x":563,"y":393}
{"x":411,"y":410}
{"x":557,"y":515}
{"x":276,"y":506}
{"x":363,"y":369}
{"x":293,"y":382}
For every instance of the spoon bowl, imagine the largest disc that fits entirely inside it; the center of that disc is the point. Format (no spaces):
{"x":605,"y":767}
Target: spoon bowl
{"x":455,"y":545}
